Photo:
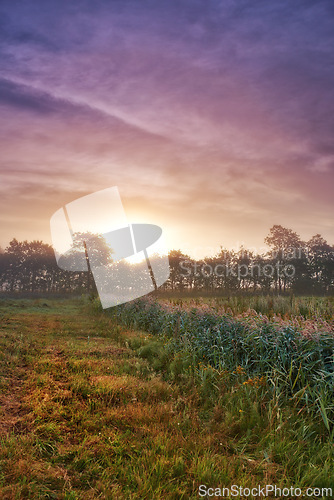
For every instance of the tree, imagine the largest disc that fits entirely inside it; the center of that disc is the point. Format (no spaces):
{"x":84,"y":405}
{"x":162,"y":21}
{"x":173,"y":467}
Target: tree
{"x":178,"y":279}
{"x":321,"y":262}
{"x":286,"y":247}
{"x":88,"y":251}
{"x":28,"y":265}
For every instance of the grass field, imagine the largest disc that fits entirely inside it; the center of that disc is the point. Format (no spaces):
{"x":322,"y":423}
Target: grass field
{"x":287,"y":306}
{"x":91,"y":408}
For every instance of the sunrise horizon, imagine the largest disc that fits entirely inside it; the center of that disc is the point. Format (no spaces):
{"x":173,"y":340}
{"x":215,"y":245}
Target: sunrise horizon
{"x":213,"y":121}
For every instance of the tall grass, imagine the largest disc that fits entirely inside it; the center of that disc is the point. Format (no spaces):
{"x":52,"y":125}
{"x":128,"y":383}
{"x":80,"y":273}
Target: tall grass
{"x":294,"y":357}
{"x":270,"y":305}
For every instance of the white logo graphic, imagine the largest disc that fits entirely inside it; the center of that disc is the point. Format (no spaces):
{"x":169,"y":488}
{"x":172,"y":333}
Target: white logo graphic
{"x":92,"y":234}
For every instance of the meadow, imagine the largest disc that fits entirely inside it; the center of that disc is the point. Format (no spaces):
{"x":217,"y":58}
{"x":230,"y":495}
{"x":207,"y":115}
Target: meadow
{"x":151,"y":399}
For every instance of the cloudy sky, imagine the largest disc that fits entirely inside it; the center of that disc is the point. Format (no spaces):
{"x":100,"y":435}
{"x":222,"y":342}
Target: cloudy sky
{"x":215,"y":119}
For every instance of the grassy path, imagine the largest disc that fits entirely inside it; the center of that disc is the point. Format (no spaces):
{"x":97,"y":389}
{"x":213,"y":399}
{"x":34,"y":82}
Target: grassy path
{"x":82,"y":416}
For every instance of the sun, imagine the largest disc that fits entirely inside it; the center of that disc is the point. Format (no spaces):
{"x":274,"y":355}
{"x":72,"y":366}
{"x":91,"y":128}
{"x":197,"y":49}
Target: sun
{"x":136,"y":258}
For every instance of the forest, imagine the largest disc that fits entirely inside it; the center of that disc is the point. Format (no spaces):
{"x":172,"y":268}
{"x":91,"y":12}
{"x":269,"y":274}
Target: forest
{"x":291,"y":265}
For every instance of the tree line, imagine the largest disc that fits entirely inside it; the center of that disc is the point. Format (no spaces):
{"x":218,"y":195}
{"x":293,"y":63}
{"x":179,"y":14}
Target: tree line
{"x":290,"y":265}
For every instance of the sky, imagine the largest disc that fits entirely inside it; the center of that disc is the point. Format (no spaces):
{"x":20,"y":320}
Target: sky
{"x":215,"y":119}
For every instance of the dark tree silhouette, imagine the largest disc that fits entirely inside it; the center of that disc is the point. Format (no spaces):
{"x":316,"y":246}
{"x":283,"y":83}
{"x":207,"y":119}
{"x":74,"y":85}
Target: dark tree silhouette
{"x":31,"y":267}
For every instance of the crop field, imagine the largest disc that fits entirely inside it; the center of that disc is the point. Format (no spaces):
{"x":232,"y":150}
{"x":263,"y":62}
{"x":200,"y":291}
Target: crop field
{"x":156,"y":397}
